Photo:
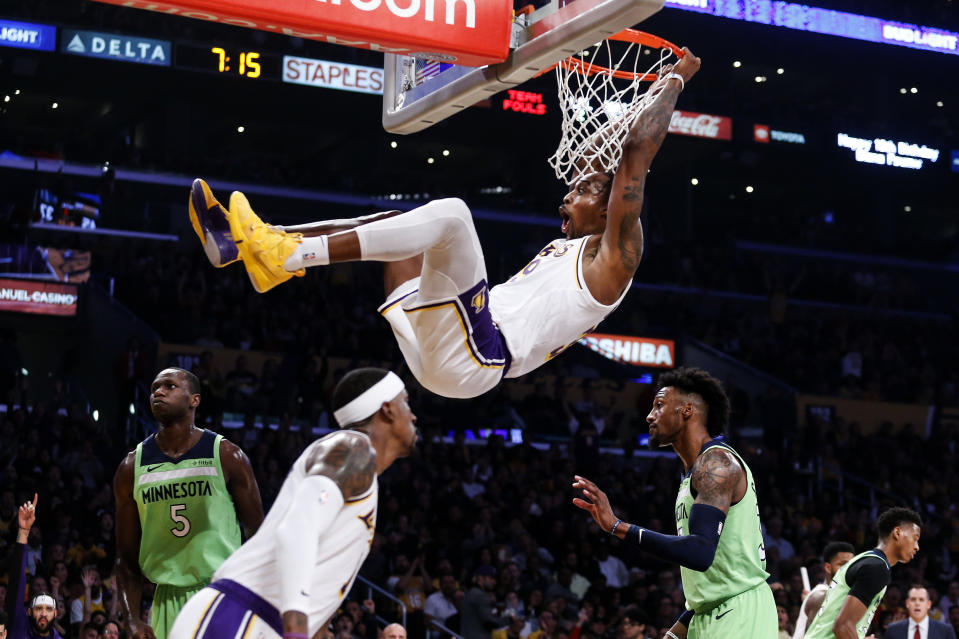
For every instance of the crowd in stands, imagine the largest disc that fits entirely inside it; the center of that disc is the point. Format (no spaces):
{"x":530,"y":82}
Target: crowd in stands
{"x":779,"y":319}
{"x":464,"y":521}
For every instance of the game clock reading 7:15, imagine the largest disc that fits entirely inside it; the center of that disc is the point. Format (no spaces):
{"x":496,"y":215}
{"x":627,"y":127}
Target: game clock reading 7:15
{"x":246,"y":64}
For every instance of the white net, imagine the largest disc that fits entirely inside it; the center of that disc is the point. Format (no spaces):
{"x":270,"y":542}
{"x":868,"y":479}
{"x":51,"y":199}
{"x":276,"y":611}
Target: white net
{"x":601,"y":93}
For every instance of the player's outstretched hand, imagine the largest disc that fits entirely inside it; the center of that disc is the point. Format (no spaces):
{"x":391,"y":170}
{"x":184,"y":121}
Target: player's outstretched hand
{"x":688,"y":66}
{"x":27,"y":514}
{"x":596,"y":502}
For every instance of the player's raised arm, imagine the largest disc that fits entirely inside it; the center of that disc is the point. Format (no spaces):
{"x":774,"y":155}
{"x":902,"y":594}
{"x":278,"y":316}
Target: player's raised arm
{"x":621,"y":247}
{"x":341,"y":467}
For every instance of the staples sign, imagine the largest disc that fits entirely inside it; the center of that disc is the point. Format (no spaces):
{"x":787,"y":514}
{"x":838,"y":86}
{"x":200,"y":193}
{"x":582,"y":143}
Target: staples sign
{"x":701,"y":125}
{"x":638,"y":351}
{"x":332,"y":75}
{"x":40,"y":297}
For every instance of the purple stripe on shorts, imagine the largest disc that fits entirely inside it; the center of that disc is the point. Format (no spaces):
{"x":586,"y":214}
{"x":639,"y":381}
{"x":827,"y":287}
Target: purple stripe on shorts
{"x":224,"y":623}
{"x":486,"y":341}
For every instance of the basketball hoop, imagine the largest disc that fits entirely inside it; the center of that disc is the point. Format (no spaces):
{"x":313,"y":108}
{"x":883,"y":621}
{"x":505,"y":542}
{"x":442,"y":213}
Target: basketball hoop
{"x":601,"y":93}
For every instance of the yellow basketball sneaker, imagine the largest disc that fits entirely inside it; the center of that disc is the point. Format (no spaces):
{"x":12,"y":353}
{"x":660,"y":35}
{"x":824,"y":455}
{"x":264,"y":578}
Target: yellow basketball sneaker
{"x":209,"y":220}
{"x":263,"y":248}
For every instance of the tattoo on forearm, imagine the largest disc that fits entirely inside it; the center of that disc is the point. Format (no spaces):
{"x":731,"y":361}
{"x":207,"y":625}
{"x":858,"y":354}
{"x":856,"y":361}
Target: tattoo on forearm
{"x":653,"y":123}
{"x":630,"y":230}
{"x":715,"y":477}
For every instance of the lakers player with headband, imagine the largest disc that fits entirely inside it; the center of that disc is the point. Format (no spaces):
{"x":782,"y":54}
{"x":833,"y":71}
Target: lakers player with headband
{"x":290,"y":577}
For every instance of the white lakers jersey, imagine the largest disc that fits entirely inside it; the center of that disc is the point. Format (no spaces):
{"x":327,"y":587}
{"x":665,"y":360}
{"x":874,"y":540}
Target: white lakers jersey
{"x":545,"y":308}
{"x":340,"y":553}
{"x":802,"y":621}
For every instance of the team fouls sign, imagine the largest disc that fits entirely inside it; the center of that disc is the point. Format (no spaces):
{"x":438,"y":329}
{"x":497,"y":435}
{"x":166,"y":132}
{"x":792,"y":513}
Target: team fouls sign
{"x":467,"y":32}
{"x":638,"y":351}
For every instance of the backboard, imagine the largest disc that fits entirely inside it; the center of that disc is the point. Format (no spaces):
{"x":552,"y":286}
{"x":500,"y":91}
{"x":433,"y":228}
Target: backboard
{"x":419,"y":93}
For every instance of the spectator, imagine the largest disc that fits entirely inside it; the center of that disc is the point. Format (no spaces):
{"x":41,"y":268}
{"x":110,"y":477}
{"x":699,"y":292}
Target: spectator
{"x":394,"y":631}
{"x":612,"y":567}
{"x":440,"y":604}
{"x":477,"y":620}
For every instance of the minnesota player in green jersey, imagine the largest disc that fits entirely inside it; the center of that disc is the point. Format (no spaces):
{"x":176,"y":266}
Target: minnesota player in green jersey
{"x":179,"y":495}
{"x":858,"y":587}
{"x":719,"y":545}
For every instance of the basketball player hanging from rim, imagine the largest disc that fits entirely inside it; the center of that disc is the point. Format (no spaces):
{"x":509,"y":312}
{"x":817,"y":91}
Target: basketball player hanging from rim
{"x":460,"y":339}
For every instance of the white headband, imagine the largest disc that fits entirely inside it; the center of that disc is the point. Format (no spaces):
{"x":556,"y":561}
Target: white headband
{"x":41,"y":600}
{"x":370,"y":400}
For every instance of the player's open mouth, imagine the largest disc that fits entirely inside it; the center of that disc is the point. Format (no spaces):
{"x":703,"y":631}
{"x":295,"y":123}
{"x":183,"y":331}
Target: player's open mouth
{"x":565,"y":217}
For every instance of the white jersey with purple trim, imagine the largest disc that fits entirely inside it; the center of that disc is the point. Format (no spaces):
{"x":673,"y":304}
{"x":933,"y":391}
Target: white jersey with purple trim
{"x":546,"y":308}
{"x":341,"y":549}
{"x":803,"y":620}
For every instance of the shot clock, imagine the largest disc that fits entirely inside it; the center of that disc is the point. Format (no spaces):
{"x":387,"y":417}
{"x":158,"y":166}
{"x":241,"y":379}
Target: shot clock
{"x":227,"y":60}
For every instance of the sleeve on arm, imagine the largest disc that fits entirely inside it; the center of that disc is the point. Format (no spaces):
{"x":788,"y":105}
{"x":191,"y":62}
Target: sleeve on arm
{"x":314,"y":507}
{"x":866,"y":578}
{"x":696,"y":550}
{"x":16,"y":589}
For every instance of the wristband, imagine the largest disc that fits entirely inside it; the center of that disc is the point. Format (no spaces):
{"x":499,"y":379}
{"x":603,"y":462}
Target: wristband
{"x":612,"y":531}
{"x":670,"y":635}
{"x":675,"y":76}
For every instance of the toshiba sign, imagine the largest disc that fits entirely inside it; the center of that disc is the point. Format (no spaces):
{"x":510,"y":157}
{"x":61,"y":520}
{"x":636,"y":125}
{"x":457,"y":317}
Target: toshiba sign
{"x":701,"y":125}
{"x":468,"y":32}
{"x":639,"y":351}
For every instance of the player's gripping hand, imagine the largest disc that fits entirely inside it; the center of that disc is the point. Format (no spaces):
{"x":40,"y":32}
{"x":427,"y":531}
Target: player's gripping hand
{"x":688,"y":66}
{"x":596,"y":502}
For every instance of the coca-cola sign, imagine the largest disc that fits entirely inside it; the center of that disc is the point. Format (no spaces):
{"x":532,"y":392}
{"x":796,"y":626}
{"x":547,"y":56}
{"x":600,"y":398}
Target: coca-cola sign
{"x":701,"y":125}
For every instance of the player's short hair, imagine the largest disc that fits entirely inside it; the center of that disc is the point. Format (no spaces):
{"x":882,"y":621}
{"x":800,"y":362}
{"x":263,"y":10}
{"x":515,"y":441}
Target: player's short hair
{"x":897,"y":516}
{"x":700,"y":382}
{"x":354,"y":384}
{"x":192,"y":381}
{"x":834,"y":548}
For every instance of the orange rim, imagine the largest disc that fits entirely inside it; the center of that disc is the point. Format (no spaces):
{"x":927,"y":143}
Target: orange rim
{"x":573,"y":63}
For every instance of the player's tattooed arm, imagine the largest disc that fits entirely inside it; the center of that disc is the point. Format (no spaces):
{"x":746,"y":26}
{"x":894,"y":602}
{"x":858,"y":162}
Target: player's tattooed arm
{"x":348,"y":459}
{"x":717,"y":478}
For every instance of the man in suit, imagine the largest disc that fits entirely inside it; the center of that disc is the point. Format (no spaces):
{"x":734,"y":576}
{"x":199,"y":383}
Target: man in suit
{"x":919,"y":625}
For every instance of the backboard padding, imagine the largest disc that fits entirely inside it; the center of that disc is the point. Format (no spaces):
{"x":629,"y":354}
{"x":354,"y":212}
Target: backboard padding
{"x":552,"y":33}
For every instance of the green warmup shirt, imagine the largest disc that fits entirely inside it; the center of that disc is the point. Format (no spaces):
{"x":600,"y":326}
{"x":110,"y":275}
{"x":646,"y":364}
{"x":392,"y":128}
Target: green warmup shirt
{"x":187,"y":518}
{"x":821,"y":626}
{"x":740,"y":562}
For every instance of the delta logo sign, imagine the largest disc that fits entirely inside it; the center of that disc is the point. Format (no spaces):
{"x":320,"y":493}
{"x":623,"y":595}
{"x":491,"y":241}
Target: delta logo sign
{"x":637,"y":351}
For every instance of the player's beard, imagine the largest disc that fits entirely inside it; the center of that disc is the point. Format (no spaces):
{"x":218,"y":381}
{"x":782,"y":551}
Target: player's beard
{"x":654,"y":441}
{"x":36,"y":624}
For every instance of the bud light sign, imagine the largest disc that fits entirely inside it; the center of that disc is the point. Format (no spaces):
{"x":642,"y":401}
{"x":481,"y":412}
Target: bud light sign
{"x":701,"y":125}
